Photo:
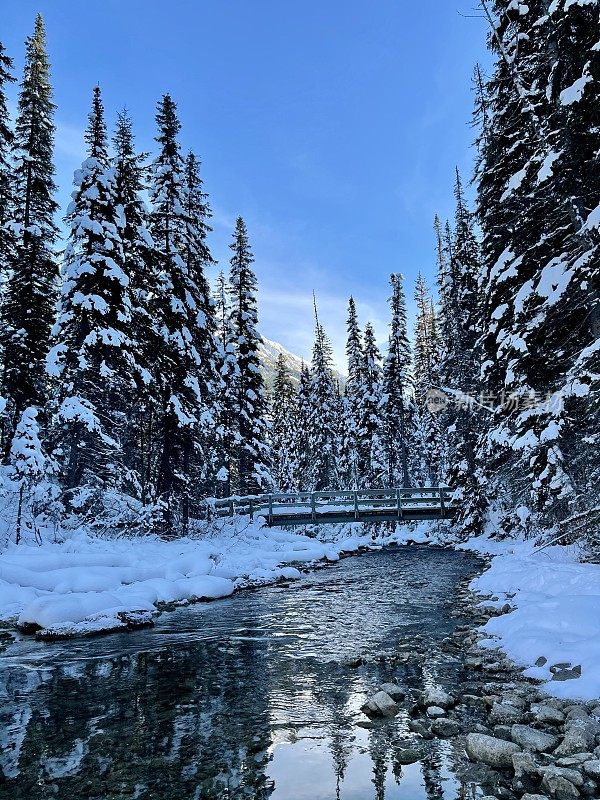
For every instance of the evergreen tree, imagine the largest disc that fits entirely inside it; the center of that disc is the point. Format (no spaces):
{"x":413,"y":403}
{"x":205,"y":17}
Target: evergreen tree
{"x":94,"y":359}
{"x":398,"y":405}
{"x":252,"y":455}
{"x":427,"y":381}
{"x":284,"y":413}
{"x":29,"y":300}
{"x":28,"y":463}
{"x":373,"y":459}
{"x":7,"y":234}
{"x":324,"y":444}
{"x":459,"y":368}
{"x":203,"y":328}
{"x":138,"y":256}
{"x":182,"y":311}
{"x":301,"y":445}
{"x":538,"y":189}
{"x":228,"y":371}
{"x":353,"y":464}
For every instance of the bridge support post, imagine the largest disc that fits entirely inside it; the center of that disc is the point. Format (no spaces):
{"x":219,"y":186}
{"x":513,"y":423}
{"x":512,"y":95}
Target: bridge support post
{"x":313,"y":507}
{"x":399,"y":503}
{"x":356,"y":514}
{"x":270,"y":509}
{"x":442,"y":507}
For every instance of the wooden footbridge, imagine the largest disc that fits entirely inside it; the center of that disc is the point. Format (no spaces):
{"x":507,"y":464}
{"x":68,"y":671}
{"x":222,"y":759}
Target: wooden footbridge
{"x":364,"y":505}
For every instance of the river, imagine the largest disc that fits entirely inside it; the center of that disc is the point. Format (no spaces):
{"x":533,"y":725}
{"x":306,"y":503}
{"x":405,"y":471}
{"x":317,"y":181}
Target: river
{"x":256,"y":696}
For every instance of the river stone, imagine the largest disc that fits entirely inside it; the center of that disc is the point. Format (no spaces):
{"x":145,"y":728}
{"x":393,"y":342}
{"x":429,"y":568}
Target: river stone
{"x":438,"y":697}
{"x":573,"y":713}
{"x":572,"y":775}
{"x":579,"y":738}
{"x":435,"y":711}
{"x":445,"y":728}
{"x":524,"y":764}
{"x":380,"y":705}
{"x":592,"y":768}
{"x":575,"y":760}
{"x":407,"y":755}
{"x":493,"y":752}
{"x":505,"y":712}
{"x":560,"y":787}
{"x":548,"y":714}
{"x":567,"y":674}
{"x":534,"y":797}
{"x":394,"y":691}
{"x":416,"y":726}
{"x":530,"y":739}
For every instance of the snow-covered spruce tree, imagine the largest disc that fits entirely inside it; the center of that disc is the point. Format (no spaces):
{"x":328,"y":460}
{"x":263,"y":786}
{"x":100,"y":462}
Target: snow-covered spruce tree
{"x":228,"y":371}
{"x":94,"y":359}
{"x":352,"y":448}
{"x":324,"y":441}
{"x":372,"y":451}
{"x":28,"y":467}
{"x":284,"y":413}
{"x":460,"y":364}
{"x":179,"y":308}
{"x":399,"y":421}
{"x":303,"y":417}
{"x":7,"y":232}
{"x":138,"y":251}
{"x":540,"y":273}
{"x":252,"y":456}
{"x":427,"y":379}
{"x":203,"y":329}
{"x":30,"y":295}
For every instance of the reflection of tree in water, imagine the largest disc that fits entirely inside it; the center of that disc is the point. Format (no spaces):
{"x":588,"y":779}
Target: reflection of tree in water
{"x":379,"y":749}
{"x":336,"y":700}
{"x":185,"y":723}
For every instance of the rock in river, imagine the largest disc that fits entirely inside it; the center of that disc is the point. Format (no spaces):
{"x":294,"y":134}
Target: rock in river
{"x":493,"y":752}
{"x":380,"y":705}
{"x":394,"y":691}
{"x":438,"y":697}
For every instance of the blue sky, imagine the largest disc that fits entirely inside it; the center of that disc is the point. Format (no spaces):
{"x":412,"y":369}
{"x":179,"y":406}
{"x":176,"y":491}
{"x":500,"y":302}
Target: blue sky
{"x":333,"y":127}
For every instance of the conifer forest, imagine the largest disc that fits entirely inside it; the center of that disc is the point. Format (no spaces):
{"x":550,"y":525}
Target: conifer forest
{"x":143,"y":444}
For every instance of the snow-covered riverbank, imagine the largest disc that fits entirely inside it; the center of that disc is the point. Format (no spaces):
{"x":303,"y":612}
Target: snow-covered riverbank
{"x":556,"y":613}
{"x":87,"y":584}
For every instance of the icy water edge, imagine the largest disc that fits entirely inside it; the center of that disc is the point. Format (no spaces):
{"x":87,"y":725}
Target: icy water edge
{"x":253,"y":697}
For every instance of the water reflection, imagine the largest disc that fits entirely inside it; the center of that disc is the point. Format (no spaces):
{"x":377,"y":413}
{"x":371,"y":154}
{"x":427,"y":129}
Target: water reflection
{"x":251,"y":697}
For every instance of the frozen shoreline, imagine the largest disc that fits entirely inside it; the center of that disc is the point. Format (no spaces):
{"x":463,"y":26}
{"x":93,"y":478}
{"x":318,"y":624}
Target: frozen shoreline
{"x":86,"y":585}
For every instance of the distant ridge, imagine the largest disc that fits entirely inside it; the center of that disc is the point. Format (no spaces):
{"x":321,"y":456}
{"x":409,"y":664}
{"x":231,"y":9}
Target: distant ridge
{"x":268,"y":353}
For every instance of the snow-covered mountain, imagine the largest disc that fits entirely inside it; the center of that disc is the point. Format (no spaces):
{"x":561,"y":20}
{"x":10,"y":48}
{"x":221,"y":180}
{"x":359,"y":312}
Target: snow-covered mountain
{"x":268,"y":353}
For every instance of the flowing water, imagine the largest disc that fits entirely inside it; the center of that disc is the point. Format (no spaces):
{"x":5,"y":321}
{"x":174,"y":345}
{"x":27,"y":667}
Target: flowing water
{"x":249,"y":697}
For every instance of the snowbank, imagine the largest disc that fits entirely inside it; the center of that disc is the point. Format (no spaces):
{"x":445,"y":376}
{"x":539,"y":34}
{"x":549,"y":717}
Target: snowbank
{"x":86,"y":585}
{"x":557,"y":612}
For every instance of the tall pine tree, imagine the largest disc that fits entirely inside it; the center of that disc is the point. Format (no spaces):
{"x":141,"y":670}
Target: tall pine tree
{"x":29,"y":300}
{"x":7,"y":233}
{"x":252,"y":456}
{"x":95,"y":358}
{"x":398,"y":404}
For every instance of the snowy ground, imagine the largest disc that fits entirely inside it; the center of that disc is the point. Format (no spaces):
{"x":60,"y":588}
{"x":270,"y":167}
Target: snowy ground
{"x":87,"y":584}
{"x":556,"y":617}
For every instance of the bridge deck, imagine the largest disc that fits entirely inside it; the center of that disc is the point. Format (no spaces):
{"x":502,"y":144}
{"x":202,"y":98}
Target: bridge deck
{"x":365,"y":505}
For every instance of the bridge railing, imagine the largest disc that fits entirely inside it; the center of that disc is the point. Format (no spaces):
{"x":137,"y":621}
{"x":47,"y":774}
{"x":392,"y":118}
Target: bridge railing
{"x":349,"y":504}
